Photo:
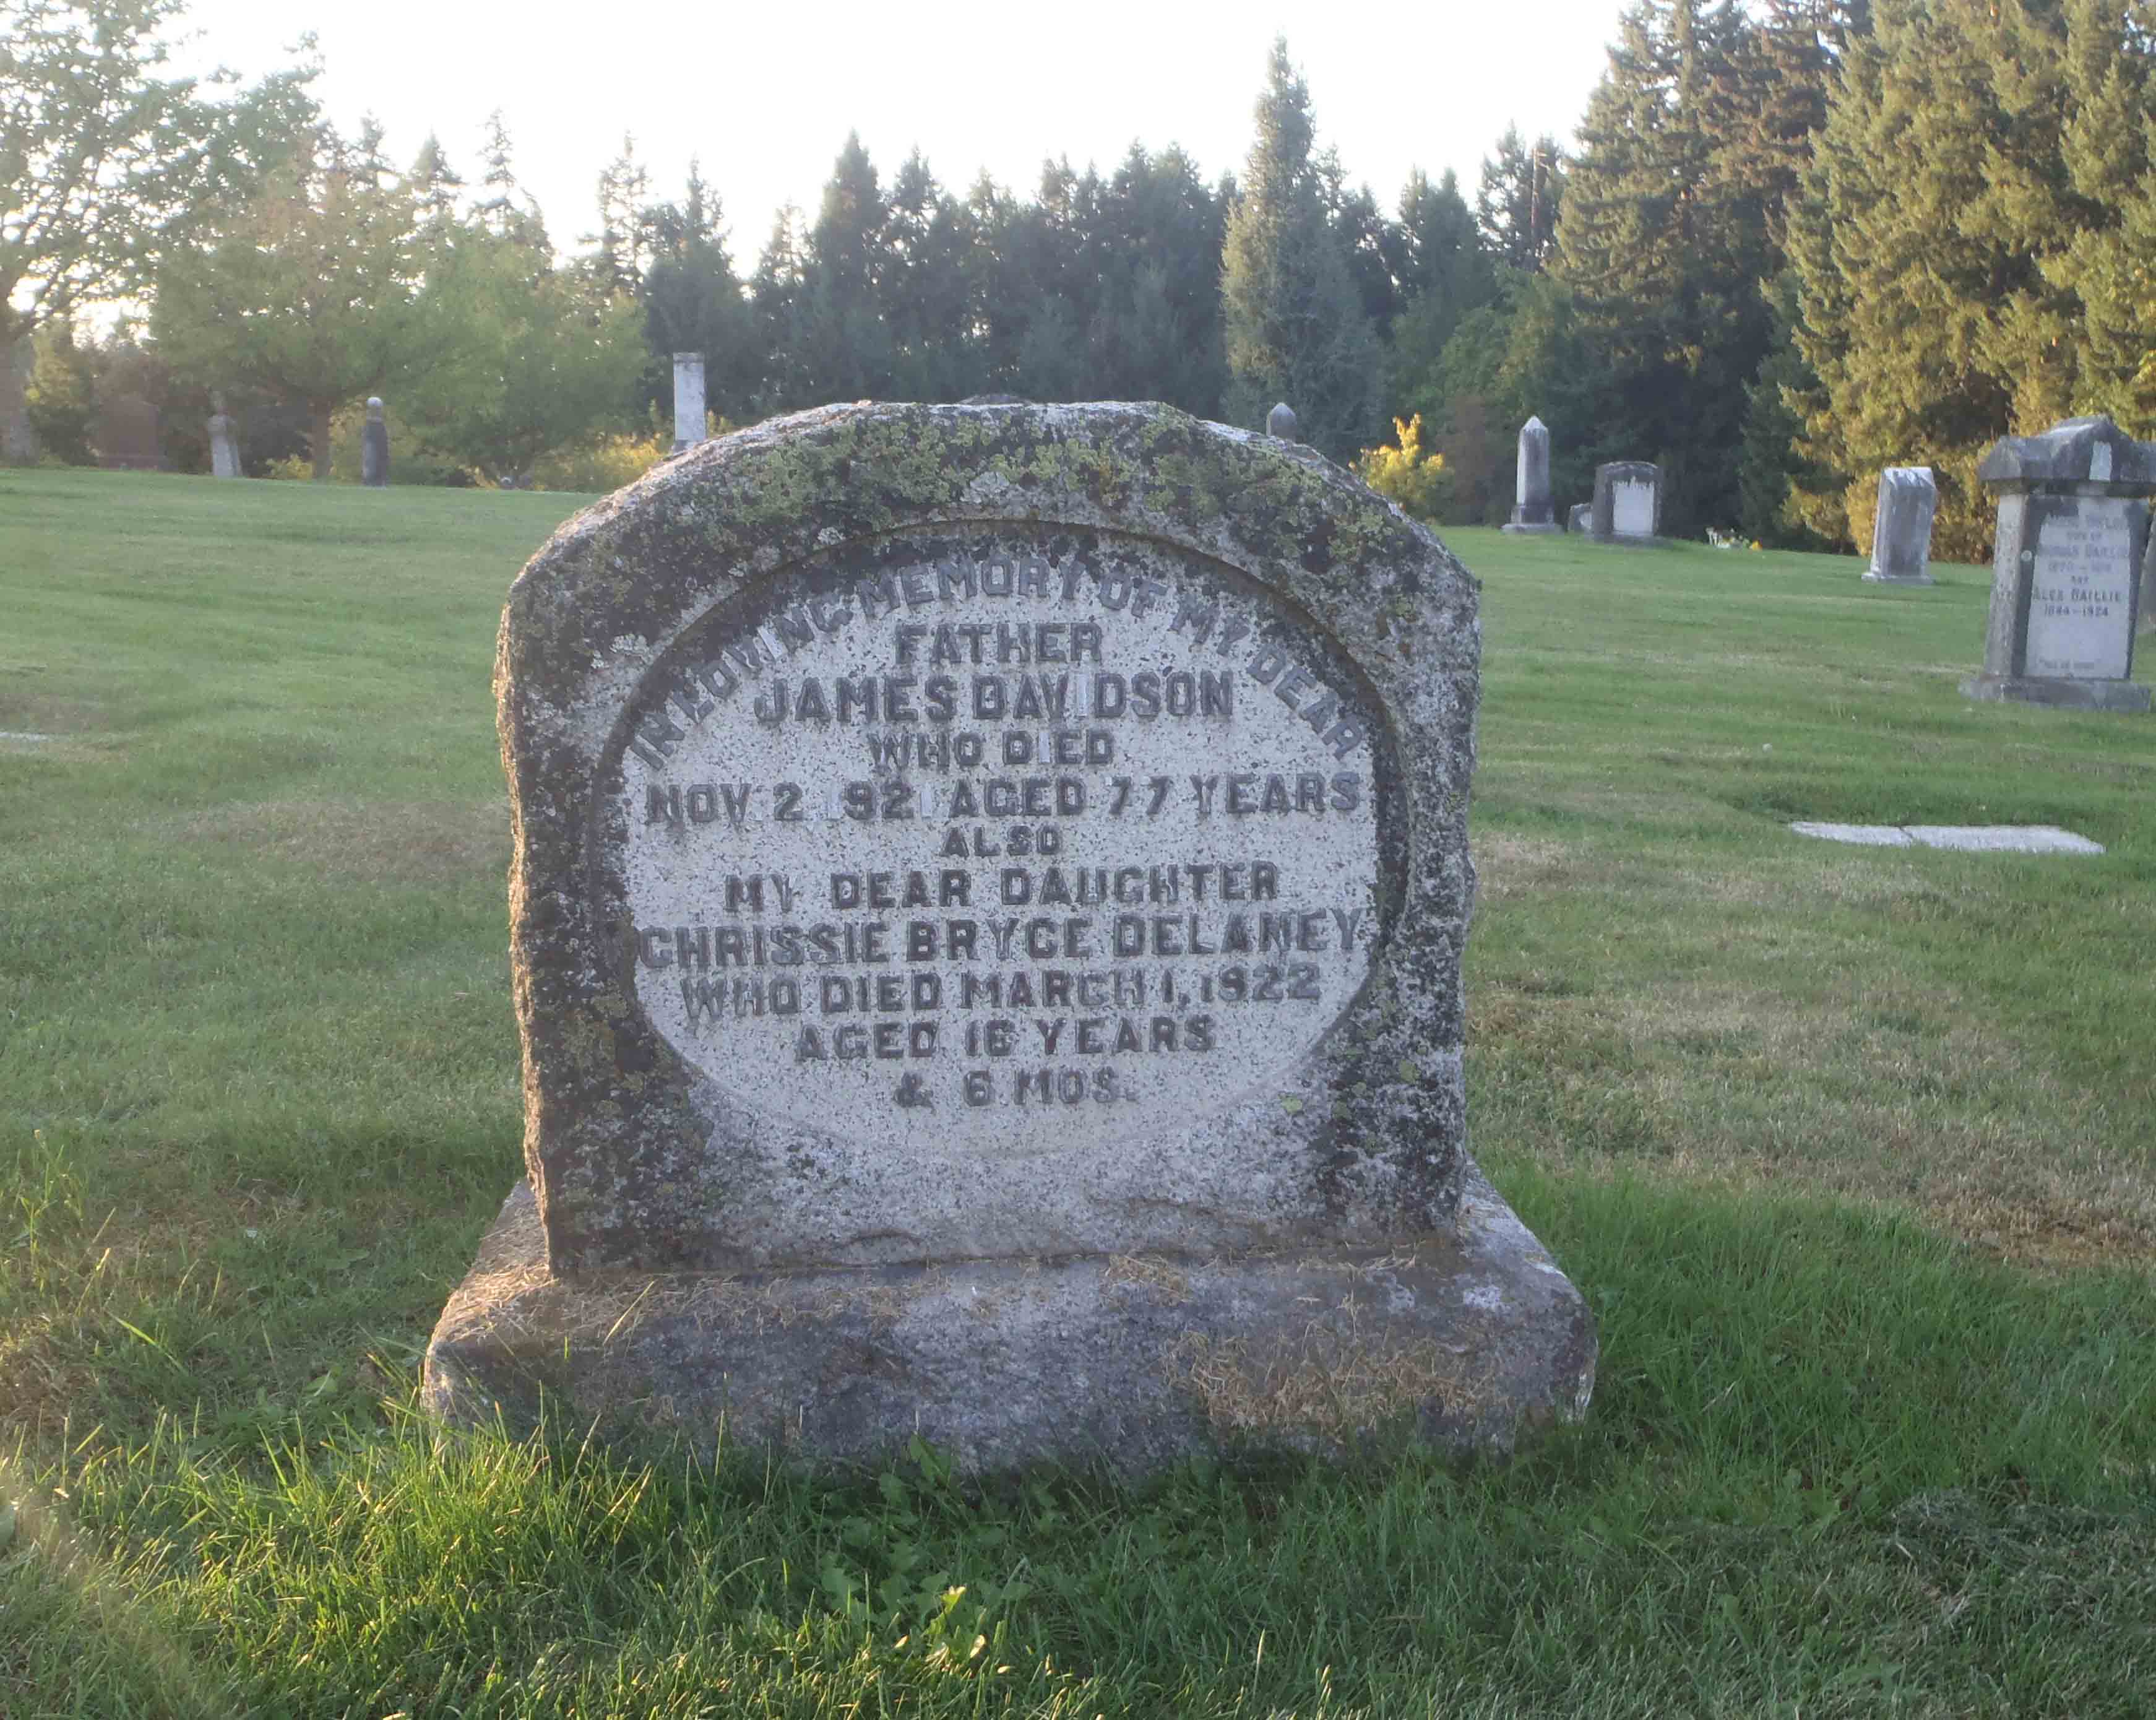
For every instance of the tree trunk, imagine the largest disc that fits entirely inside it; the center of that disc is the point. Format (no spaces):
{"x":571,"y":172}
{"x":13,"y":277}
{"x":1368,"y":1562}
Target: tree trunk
{"x":318,"y":437}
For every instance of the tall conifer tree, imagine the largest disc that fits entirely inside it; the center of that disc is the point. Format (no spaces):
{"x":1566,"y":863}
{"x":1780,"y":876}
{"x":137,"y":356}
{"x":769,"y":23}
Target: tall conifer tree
{"x":1296,"y":329}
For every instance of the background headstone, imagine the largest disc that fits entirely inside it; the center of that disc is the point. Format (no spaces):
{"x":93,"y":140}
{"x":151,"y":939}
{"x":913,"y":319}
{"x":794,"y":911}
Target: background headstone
{"x":125,"y":433}
{"x":1532,"y":510}
{"x":2066,"y":565}
{"x":1581,"y":518}
{"x":688,"y":400}
{"x":1627,"y":502}
{"x":223,"y":441}
{"x":1279,"y":422}
{"x":374,"y":446}
{"x":987,"y":918}
{"x":1901,"y":527}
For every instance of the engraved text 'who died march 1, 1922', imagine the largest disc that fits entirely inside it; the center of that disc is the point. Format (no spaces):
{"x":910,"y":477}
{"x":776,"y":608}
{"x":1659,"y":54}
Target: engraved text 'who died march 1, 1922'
{"x":1000,"y":842}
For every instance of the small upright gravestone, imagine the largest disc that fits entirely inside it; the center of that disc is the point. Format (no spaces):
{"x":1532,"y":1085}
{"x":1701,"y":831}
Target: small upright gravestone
{"x":1581,"y":518}
{"x":1627,"y":502}
{"x":987,"y":914}
{"x":1532,"y":510}
{"x":689,"y":428}
{"x":2067,"y":559}
{"x":374,"y":446}
{"x":1279,"y":422}
{"x":223,"y":441}
{"x":1901,"y":527}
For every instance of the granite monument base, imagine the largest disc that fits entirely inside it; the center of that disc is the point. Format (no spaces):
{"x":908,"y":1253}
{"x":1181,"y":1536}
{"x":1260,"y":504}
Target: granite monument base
{"x":1463,"y":1340}
{"x":1532,"y":525}
{"x":2123,"y":695}
{"x":1876,"y":578}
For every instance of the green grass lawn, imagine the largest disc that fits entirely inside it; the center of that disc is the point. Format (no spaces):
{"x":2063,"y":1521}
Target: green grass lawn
{"x":1852,"y":1151}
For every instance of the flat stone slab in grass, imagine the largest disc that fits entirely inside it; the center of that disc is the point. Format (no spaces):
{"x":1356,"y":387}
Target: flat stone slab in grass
{"x":1972,"y":839}
{"x":989,"y":895}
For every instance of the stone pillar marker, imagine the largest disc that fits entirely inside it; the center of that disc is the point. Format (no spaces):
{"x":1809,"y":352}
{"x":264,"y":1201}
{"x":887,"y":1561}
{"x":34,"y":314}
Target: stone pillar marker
{"x":223,"y":441}
{"x":688,"y":400}
{"x":374,"y":447}
{"x":1279,"y":422}
{"x":987,"y":914}
{"x":1627,"y":502}
{"x":2066,"y":566}
{"x":1530,"y":510}
{"x":1901,"y":527}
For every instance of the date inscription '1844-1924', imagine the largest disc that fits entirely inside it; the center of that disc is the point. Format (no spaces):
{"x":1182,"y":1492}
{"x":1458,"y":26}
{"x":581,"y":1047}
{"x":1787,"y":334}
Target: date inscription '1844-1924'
{"x":999,"y":848}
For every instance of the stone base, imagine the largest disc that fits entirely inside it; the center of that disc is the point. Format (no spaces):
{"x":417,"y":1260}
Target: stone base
{"x":1521,"y":525}
{"x":1878,"y":576}
{"x":1460,"y":1341}
{"x":2125,"y":696}
{"x":1623,"y":539}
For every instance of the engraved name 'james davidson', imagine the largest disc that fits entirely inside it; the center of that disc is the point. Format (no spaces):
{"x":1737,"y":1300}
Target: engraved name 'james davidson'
{"x":992,"y":849}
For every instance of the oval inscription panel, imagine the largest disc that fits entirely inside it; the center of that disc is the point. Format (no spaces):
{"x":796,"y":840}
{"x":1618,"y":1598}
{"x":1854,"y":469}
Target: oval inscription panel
{"x":996,"y":842}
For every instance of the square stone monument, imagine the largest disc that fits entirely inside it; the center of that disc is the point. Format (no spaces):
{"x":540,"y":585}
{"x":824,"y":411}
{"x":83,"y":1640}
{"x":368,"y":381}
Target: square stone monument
{"x":988,"y":893}
{"x":1627,"y":502}
{"x":1901,"y":527}
{"x":1532,"y":510}
{"x":2066,"y":566}
{"x":688,"y":400}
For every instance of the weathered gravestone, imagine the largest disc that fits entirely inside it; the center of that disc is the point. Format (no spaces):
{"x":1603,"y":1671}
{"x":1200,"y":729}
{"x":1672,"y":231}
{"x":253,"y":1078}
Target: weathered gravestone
{"x":223,"y":441}
{"x":374,"y":446}
{"x":2066,"y":560}
{"x":689,"y":428}
{"x":1532,"y":510}
{"x":1627,"y":502}
{"x":986,"y":912}
{"x":1901,"y":527}
{"x":1581,"y":518}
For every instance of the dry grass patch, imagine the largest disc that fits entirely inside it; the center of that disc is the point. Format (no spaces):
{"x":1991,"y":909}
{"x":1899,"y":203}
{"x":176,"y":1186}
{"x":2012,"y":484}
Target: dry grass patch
{"x":389,"y":842}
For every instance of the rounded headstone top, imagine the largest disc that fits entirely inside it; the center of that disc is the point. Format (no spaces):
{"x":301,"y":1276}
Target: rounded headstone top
{"x":2079,"y":451}
{"x":374,"y":406}
{"x":1536,"y":425}
{"x":1279,"y":422}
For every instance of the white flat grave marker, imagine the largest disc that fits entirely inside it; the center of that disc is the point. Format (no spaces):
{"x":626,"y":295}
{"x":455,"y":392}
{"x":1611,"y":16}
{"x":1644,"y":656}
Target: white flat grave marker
{"x":1966,"y":839}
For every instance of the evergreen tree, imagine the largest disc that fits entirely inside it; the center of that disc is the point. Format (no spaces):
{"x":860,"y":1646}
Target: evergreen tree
{"x":61,"y":397}
{"x":1517,"y":200}
{"x":1296,"y":326}
{"x":693,"y":302}
{"x":1665,"y":253}
{"x":1992,"y":156}
{"x":777,"y":313}
{"x":846,"y":347}
{"x":926,"y":289}
{"x":1157,"y":333}
{"x":620,"y":245}
{"x":1443,"y":274}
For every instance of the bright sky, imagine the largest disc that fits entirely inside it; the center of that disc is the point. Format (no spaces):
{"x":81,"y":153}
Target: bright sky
{"x":765,"y":94}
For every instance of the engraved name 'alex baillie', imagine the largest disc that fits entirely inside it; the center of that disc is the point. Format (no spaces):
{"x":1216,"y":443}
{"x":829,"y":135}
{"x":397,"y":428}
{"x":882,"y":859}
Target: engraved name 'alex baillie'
{"x":1076,"y":847}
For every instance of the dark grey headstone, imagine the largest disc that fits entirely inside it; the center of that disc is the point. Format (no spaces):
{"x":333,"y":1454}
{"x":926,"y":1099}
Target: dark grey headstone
{"x":1627,"y":502}
{"x":1581,"y":518}
{"x":1532,"y":510}
{"x":987,"y":915}
{"x":1901,"y":527}
{"x":374,"y":447}
{"x":2066,"y":565}
{"x":1279,"y":422}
